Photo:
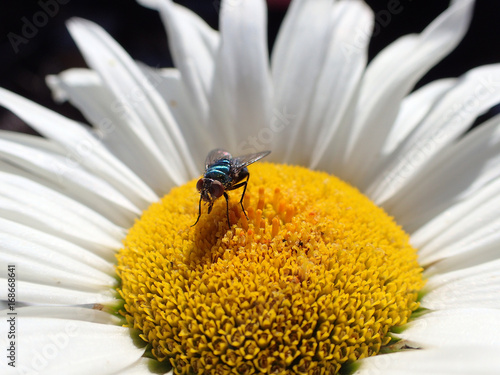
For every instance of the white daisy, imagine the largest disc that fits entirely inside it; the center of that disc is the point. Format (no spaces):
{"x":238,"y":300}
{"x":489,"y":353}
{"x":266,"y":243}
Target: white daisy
{"x":317,"y":277}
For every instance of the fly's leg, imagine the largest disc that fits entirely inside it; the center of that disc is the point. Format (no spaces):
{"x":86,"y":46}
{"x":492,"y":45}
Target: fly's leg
{"x":199,"y":213}
{"x":244,"y":183}
{"x":227,"y":209}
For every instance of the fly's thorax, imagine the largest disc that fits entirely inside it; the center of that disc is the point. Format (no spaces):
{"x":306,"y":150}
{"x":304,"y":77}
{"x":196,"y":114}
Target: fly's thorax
{"x":220,"y":171}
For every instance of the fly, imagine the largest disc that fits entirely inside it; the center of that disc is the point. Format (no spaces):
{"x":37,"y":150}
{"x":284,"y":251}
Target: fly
{"x":224,"y":173}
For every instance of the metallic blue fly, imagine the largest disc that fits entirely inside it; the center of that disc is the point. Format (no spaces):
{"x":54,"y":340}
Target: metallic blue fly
{"x":224,"y":173}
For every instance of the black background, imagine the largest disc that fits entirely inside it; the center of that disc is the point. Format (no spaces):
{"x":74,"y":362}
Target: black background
{"x":141,"y":33}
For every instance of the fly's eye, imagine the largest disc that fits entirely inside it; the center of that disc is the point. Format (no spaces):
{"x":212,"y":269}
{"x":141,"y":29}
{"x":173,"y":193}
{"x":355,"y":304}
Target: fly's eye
{"x":199,"y":184}
{"x":216,"y":189}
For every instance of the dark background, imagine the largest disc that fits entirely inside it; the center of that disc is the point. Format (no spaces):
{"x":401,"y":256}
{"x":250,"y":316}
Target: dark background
{"x":142,"y":34}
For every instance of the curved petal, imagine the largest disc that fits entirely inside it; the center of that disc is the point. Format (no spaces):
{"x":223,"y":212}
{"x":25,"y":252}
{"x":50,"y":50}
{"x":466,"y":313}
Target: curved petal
{"x":80,"y":146}
{"x":143,"y":366}
{"x":15,"y":247}
{"x":136,"y":97}
{"x":36,"y":293}
{"x":449,"y":177}
{"x":59,"y":172}
{"x":87,"y":224}
{"x":477,"y":287}
{"x":459,"y":220}
{"x":387,"y":80}
{"x":57,"y":244}
{"x":479,"y":359}
{"x":455,"y":327}
{"x":41,"y":215}
{"x":414,"y":108}
{"x":307,"y":59}
{"x":483,"y":240}
{"x":37,"y":273}
{"x":475,"y":93}
{"x":241,"y":90}
{"x":334,"y":97}
{"x":83,"y":314}
{"x":473,"y":252}
{"x":172,"y":88}
{"x":193,"y":45}
{"x":294,"y":37}
{"x":482,"y":223}
{"x":53,"y":272}
{"x":116,"y":129}
{"x":36,"y":217}
{"x":64,"y":346}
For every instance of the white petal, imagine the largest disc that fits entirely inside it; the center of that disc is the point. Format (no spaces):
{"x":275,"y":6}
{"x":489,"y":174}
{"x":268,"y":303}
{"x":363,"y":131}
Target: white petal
{"x":477,"y":286}
{"x":35,"y":293}
{"x":62,"y":346}
{"x":36,"y":142}
{"x":36,"y":215}
{"x":466,"y":360}
{"x":137,"y":97}
{"x":334,"y":96}
{"x":57,"y":244}
{"x":295,"y":35}
{"x":302,"y":55}
{"x":240,"y":100}
{"x":172,"y":88}
{"x":391,"y":76}
{"x":117,"y":130}
{"x":47,"y":275}
{"x":413,"y":109}
{"x":85,"y":314}
{"x":193,"y":45}
{"x":473,"y":252}
{"x":465,"y":227}
{"x":60,"y":172}
{"x":80,"y":146}
{"x":143,"y":366}
{"x":12,"y":246}
{"x":474,"y":94}
{"x":454,"y":174}
{"x":479,"y":226}
{"x":455,"y":327}
{"x":458,"y":220}
{"x":51,"y":272}
{"x":76,"y":220}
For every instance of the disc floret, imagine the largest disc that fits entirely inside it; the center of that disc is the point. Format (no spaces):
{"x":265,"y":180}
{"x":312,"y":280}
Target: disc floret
{"x":313,"y":279}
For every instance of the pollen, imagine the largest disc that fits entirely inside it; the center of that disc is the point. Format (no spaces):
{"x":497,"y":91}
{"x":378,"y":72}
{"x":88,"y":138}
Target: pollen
{"x":314,"y":279}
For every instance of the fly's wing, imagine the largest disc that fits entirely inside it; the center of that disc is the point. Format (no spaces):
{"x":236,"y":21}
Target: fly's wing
{"x":216,"y":155}
{"x":242,"y":161}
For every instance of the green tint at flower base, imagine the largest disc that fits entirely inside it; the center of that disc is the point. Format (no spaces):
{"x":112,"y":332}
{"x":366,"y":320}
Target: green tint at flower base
{"x":314,"y":279}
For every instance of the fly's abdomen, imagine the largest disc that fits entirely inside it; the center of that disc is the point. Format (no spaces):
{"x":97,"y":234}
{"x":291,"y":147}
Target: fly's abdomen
{"x":219,"y":171}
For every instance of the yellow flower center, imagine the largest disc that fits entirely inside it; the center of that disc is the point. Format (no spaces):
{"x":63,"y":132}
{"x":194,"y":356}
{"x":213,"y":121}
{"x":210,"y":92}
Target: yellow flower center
{"x":314,"y":279}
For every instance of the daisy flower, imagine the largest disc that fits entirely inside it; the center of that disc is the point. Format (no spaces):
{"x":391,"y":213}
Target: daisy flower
{"x":369,"y":238}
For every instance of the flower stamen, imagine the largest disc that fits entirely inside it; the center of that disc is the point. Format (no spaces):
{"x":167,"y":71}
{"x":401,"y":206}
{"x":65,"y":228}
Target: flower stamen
{"x":315,"y":277}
